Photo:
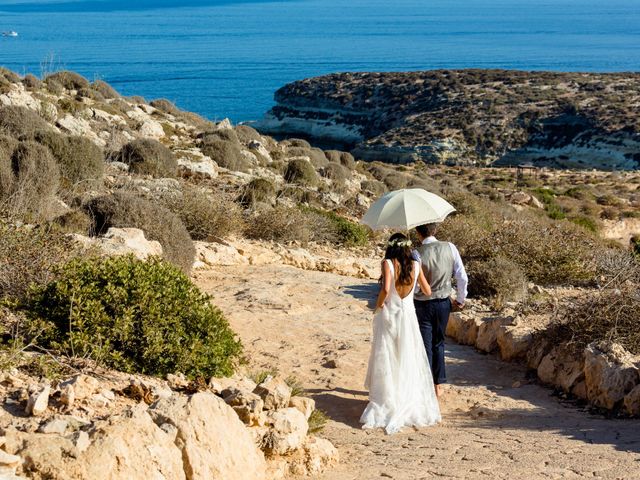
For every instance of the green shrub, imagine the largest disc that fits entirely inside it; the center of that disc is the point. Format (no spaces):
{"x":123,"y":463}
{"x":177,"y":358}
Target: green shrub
{"x":301,"y":172}
{"x":149,"y":157}
{"x":29,"y":256}
{"x":139,"y":317}
{"x":587,"y":223}
{"x":31,"y":82}
{"x":69,"y":80}
{"x":258,"y":190}
{"x":555,"y":211}
{"x":579,"y":193}
{"x":9,"y":75}
{"x":246,"y":134}
{"x":341,"y":230}
{"x":206,"y":217}
{"x":7,"y":177}
{"x":166,"y":106}
{"x":80,"y":160}
{"x":123,"y":210}
{"x":635,"y":244}
{"x":498,"y":278}
{"x":396,"y":181}
{"x":315,"y":155}
{"x":608,"y":200}
{"x":104,"y":89}
{"x":54,"y":87}
{"x":34,"y":180}
{"x":332,"y":155}
{"x":545,"y":195}
{"x":317,"y":421}
{"x":18,"y":121}
{"x":226,"y":154}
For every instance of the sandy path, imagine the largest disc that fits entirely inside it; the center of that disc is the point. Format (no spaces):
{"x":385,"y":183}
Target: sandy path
{"x":496,"y":424}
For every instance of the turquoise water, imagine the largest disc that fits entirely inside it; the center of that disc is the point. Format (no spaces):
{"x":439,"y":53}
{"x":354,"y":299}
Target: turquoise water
{"x":225,"y":58}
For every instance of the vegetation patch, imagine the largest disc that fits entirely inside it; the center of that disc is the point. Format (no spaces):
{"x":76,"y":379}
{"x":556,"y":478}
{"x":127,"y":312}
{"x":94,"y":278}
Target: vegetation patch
{"x":149,"y":157}
{"x":301,"y":172}
{"x":136,"y":316}
{"x":226,"y":154}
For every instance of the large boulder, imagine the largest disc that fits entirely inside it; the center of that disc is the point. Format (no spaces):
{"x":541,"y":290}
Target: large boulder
{"x":563,"y":368}
{"x":632,"y":402}
{"x":122,"y":241}
{"x":463,"y":329}
{"x":215,"y":445}
{"x":487,"y":340}
{"x":610,"y":373}
{"x":288,"y":431}
{"x":275,"y":392}
{"x":514,"y":341}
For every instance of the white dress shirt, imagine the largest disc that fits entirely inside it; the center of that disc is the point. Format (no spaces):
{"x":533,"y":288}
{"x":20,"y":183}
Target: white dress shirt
{"x":459,"y":273}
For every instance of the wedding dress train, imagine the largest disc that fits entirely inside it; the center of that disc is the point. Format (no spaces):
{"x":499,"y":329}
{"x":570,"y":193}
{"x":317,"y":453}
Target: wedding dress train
{"x":401,"y":391}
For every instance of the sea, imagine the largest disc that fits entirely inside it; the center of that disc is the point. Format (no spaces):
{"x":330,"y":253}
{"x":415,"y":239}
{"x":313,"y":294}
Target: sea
{"x":226,"y":58}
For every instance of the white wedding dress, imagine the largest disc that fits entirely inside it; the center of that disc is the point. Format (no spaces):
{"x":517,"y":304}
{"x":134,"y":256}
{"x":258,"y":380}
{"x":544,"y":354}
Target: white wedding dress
{"x":401,"y":391}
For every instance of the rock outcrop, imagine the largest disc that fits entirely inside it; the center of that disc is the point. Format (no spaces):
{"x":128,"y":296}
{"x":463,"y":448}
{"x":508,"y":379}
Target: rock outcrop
{"x":569,"y":120}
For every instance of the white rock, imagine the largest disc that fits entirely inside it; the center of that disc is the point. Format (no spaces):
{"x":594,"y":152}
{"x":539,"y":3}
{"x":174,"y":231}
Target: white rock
{"x":610,"y":373}
{"x":205,"y":168}
{"x":211,"y":254}
{"x":38,"y":401}
{"x":275,"y":392}
{"x":83,"y":385}
{"x":305,"y":405}
{"x":56,"y":425}
{"x":81,"y":441}
{"x":320,"y":454}
{"x":9,"y":461}
{"x":213,"y":441}
{"x":122,"y":241}
{"x":151,"y":128}
{"x":288,"y":432}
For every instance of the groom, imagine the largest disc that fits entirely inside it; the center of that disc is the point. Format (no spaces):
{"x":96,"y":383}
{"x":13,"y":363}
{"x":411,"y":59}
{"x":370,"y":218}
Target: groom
{"x":440,"y":262}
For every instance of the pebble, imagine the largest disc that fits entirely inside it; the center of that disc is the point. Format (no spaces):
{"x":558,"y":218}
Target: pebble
{"x":38,"y":401}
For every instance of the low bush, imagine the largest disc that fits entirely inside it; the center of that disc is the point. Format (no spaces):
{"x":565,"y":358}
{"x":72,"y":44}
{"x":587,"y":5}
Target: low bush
{"x":226,"y":154}
{"x":89,"y":93}
{"x":498,"y":278}
{"x":227,"y":134}
{"x":206,"y":217}
{"x":258,"y":190}
{"x":17,"y":121}
{"x":298,"y":142}
{"x":301,"y":172}
{"x":139,"y":317}
{"x":347,"y":160}
{"x":336,"y":172}
{"x":635,"y":244}
{"x":290,"y":224}
{"x":396,"y":181}
{"x":608,"y":200}
{"x":29,"y":256}
{"x":32,"y":180}
{"x":333,"y":155}
{"x":122,"y":210}
{"x":69,"y":80}
{"x":104,"y":89}
{"x":341,"y":230}
{"x":246,"y":134}
{"x":588,"y":223}
{"x":31,"y":82}
{"x":315,"y":155}
{"x":7,"y":177}
{"x":149,"y":157}
{"x":74,"y":221}
{"x":9,"y":75}
{"x":166,"y":106}
{"x":80,"y":160}
{"x":373,"y":187}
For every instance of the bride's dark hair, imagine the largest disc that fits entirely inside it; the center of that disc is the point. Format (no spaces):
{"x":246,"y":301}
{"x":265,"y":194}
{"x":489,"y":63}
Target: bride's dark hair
{"x":399,"y":248}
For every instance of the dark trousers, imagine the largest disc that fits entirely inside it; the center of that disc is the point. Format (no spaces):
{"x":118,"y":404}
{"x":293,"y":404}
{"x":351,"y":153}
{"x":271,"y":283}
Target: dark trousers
{"x":433,"y":316}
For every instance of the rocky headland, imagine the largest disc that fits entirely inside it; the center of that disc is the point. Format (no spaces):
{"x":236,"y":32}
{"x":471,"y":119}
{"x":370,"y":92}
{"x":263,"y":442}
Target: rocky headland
{"x":469,"y":117}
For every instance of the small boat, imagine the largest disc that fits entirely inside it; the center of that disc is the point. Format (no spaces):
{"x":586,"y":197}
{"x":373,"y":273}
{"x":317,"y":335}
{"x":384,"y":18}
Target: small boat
{"x":10,"y":34}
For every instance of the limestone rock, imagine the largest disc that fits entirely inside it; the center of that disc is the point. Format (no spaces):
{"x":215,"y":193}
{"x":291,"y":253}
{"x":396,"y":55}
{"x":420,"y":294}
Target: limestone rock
{"x":9,"y":461}
{"x":520,"y":198}
{"x":56,"y":425}
{"x":306,"y":405}
{"x":610,"y":373}
{"x":38,"y":401}
{"x":151,"y":128}
{"x":463,"y":329}
{"x":562,"y":368}
{"x":288,"y":431}
{"x":514,"y":341}
{"x":275,"y":392}
{"x":246,"y":404}
{"x":632,"y":401}
{"x":83,"y":386}
{"x":210,"y":254}
{"x":320,"y":454}
{"x":122,"y":241}
{"x":214,"y":442}
{"x":204,"y":168}
{"x":487,"y":340}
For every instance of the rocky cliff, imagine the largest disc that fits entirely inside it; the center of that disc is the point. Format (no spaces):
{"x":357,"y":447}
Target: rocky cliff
{"x":485,"y":117}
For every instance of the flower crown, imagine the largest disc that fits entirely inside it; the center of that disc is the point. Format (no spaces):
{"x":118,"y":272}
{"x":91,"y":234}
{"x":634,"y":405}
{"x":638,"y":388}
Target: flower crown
{"x":398,"y":242}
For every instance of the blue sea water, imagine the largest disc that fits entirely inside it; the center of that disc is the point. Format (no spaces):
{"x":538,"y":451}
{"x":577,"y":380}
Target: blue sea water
{"x":225,"y":58}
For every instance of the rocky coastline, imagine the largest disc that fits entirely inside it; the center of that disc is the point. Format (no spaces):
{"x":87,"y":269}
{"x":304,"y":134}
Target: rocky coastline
{"x":468,"y":117}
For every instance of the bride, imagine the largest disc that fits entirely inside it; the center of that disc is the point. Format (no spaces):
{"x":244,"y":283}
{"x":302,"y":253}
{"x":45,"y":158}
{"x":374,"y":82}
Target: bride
{"x":401,"y":391}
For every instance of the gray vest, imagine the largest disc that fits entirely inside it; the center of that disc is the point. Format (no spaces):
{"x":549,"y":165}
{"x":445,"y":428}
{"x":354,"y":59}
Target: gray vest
{"x":437,"y":263}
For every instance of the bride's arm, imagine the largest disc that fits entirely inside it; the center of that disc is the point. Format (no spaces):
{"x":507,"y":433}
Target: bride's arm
{"x":386,"y":285}
{"x":422,"y":281}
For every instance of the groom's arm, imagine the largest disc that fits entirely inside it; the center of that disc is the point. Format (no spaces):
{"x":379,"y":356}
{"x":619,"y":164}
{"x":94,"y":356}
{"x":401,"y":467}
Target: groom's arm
{"x":460,"y":274}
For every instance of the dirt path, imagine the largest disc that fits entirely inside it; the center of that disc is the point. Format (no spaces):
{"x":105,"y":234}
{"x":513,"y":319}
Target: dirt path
{"x":496,"y":423}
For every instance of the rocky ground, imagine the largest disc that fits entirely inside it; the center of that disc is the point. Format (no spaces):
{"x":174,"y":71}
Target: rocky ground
{"x":498,"y":421}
